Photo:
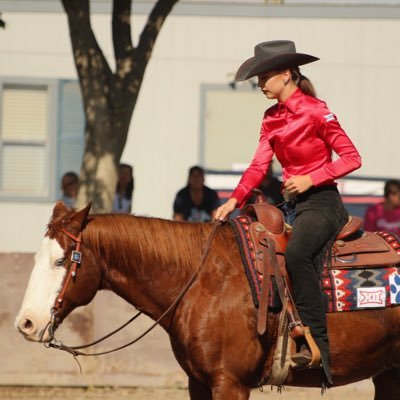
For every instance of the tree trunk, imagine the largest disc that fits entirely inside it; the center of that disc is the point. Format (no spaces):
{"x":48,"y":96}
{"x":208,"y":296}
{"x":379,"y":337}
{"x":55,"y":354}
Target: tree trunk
{"x":109,"y":98}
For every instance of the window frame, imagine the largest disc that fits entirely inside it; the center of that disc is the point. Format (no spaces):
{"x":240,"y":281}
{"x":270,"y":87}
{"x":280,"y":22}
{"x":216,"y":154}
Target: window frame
{"x":50,"y":147}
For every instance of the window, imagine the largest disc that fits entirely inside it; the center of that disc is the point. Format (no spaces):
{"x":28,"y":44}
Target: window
{"x":41,"y":136}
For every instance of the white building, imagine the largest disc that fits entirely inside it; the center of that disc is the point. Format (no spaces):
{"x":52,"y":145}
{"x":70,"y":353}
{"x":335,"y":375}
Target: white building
{"x":187,"y":113}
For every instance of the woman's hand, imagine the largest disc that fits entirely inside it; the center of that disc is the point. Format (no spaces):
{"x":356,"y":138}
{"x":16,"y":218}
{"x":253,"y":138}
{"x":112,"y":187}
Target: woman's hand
{"x":225,"y":210}
{"x":298,"y":184}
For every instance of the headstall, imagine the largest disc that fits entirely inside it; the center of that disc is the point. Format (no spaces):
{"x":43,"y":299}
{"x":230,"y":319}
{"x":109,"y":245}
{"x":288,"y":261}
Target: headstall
{"x":76,"y":258}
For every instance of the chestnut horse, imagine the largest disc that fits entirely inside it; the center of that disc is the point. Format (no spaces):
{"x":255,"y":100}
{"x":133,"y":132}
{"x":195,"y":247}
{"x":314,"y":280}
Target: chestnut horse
{"x":147,"y":261}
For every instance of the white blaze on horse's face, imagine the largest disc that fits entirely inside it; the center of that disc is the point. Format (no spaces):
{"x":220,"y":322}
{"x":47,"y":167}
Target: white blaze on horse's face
{"x":44,"y":285}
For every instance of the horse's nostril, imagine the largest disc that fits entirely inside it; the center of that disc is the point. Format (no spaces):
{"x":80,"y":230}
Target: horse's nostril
{"x":26,"y":326}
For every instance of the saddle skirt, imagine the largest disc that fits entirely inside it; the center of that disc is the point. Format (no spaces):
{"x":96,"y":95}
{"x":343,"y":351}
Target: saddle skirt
{"x":241,"y":226}
{"x":363,"y":271}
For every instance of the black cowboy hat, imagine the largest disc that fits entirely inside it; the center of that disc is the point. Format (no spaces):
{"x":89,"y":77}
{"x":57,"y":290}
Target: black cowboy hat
{"x":275,"y":54}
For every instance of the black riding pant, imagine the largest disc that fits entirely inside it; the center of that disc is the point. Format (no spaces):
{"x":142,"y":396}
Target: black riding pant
{"x":320,"y":215}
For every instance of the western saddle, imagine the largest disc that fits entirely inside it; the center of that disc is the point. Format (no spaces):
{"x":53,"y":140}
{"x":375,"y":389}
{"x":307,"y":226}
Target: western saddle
{"x":353,"y":248}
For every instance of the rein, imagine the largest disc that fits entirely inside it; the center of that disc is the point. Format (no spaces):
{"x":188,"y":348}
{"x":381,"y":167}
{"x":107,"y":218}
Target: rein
{"x":76,"y":259}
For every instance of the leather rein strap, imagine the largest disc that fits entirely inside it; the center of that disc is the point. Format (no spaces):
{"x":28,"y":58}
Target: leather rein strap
{"x":74,"y":350}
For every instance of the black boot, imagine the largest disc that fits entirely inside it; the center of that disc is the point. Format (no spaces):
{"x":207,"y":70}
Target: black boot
{"x":323,"y":346}
{"x":303,"y":354}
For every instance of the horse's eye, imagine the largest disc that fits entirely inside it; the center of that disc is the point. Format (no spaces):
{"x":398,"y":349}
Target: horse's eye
{"x":59,"y":262}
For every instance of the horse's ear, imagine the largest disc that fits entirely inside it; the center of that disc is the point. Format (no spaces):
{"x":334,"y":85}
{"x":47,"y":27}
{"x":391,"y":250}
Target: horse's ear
{"x":80,"y":216}
{"x":87,"y":209}
{"x":59,"y":209}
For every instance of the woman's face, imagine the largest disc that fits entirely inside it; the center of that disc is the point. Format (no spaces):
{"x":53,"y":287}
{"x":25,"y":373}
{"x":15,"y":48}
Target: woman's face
{"x":273,"y":83}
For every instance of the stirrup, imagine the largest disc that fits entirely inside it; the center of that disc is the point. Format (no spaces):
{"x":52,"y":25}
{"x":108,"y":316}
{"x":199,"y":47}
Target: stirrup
{"x":309,"y":355}
{"x":303,"y":356}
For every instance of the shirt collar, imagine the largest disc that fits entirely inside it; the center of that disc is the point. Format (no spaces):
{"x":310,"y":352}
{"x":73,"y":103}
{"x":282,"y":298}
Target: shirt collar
{"x":292,"y":103}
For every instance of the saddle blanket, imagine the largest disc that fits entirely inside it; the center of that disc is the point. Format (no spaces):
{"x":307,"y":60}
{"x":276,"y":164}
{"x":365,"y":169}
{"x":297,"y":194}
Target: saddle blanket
{"x":346,"y":289}
{"x":356,"y":289}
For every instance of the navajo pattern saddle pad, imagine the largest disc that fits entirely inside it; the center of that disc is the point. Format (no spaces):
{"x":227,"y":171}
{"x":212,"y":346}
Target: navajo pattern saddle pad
{"x":347,"y":289}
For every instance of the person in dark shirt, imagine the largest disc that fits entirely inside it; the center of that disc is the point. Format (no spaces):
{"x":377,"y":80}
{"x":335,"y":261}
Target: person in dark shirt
{"x":195,"y":202}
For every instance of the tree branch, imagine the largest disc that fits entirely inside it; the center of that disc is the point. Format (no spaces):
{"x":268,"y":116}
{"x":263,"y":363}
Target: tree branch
{"x":150,"y":32}
{"x":92,"y":67}
{"x":121,"y":29}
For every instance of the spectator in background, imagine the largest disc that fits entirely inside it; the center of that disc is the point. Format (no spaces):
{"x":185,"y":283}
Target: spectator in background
{"x":123,"y":194}
{"x":271,"y":188}
{"x":69,"y":188}
{"x":195,"y":202}
{"x":385,"y":216}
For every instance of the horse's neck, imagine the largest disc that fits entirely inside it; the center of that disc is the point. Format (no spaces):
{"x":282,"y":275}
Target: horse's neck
{"x":150,"y":261}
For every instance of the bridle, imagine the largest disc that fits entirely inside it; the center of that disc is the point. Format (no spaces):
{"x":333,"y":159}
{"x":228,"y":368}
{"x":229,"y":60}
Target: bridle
{"x":76,"y":258}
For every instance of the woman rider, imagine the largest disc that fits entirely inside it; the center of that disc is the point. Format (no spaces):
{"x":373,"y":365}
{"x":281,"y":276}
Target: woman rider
{"x":302,"y":132}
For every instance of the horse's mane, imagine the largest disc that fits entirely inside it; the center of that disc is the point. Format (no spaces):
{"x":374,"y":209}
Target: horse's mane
{"x":142,"y":244}
{"x":134,"y":241}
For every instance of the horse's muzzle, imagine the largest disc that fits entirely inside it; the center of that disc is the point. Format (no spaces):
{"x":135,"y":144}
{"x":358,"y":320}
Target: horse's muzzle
{"x":32,"y":333}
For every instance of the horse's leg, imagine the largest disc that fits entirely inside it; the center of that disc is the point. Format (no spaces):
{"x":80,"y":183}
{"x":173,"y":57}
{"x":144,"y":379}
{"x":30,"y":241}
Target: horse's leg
{"x":229,"y":390}
{"x":198,"y":391}
{"x":222,"y":391}
{"x":387,"y":384}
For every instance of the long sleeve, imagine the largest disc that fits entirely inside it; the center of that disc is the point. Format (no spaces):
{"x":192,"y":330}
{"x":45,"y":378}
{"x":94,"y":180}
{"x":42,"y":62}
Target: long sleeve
{"x":333,"y":135}
{"x":256,"y":171}
{"x":303,"y":134}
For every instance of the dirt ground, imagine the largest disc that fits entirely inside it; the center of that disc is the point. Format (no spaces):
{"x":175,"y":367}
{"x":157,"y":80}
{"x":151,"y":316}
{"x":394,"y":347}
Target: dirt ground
{"x":360,"y":391}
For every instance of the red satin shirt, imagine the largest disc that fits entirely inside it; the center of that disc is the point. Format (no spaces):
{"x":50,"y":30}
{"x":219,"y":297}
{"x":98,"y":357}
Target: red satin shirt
{"x":302,"y":132}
